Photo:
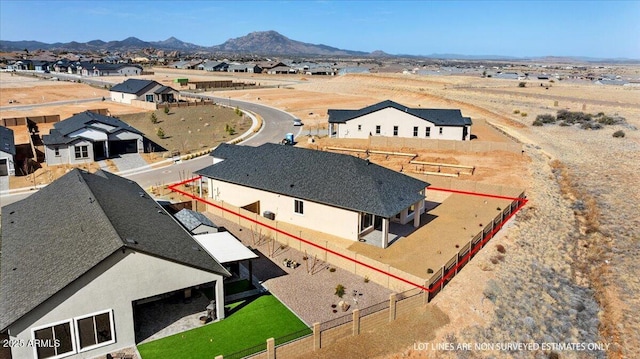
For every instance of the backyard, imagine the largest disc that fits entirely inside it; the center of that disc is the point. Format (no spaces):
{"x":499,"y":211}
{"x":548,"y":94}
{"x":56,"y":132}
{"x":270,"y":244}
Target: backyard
{"x":249,"y":324}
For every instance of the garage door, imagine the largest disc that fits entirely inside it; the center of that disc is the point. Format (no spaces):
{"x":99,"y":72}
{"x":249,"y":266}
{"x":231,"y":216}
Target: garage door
{"x":127,"y":146}
{"x":4,"y":167}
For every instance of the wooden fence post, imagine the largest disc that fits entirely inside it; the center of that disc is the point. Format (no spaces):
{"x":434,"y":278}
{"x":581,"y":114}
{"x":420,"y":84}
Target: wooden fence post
{"x":392,"y":307}
{"x":316,"y":336}
{"x":356,"y":322}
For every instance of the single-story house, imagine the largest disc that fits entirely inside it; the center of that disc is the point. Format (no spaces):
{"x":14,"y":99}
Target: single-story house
{"x":142,"y":90}
{"x":213,"y":66}
{"x":278,"y":70}
{"x":7,"y":152}
{"x":249,"y":68}
{"x":195,"y":222}
{"x":91,"y":69}
{"x":80,"y":255}
{"x":88,"y":137}
{"x":327,"y":192}
{"x":391,"y":119}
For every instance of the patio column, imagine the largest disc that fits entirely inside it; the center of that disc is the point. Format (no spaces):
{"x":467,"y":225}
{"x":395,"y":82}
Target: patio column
{"x":330,"y":129}
{"x":219,"y":295}
{"x":417,"y":208}
{"x":200,"y":188}
{"x":106,"y":148}
{"x":385,"y":232}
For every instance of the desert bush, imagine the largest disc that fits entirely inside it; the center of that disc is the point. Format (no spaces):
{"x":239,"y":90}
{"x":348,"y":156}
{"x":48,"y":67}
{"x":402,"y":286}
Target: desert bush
{"x":564,"y":124}
{"x":340,"y":289}
{"x":166,"y":109}
{"x":573,"y":116}
{"x":537,"y":122}
{"x":160,"y":132}
{"x":522,"y":84}
{"x":618,"y":134}
{"x":516,"y":111}
{"x":500,"y":248}
{"x":523,"y":114}
{"x":154,"y":118}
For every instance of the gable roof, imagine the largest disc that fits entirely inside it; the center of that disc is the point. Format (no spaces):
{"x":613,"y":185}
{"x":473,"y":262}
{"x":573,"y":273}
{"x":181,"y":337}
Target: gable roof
{"x":438,"y":117}
{"x":58,"y":134}
{"x":7,"y":143}
{"x":329,"y":178}
{"x":134,"y":86}
{"x":103,"y":213}
{"x":192,"y":219}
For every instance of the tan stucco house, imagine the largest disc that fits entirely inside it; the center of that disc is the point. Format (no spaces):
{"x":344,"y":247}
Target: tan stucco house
{"x":80,"y":255}
{"x":391,"y":119}
{"x":332,"y":193}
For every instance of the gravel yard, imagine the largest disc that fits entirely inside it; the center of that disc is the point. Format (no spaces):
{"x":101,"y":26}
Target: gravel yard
{"x":308,"y":294}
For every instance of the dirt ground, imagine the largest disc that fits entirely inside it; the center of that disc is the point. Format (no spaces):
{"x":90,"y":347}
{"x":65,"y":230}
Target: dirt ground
{"x":569,"y":271}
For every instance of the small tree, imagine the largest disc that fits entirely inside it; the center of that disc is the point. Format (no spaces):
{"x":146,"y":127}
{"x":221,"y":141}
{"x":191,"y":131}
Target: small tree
{"x":166,"y":109}
{"x":340,"y":289}
{"x":522,"y":84}
{"x":160,"y":132}
{"x":154,"y":118}
{"x":618,"y":134}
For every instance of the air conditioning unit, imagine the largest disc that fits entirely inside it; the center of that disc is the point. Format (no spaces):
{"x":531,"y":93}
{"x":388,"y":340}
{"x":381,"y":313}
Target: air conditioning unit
{"x":270,"y":215}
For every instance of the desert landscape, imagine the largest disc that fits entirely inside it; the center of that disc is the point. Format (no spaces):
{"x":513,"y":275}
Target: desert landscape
{"x":567,"y":267}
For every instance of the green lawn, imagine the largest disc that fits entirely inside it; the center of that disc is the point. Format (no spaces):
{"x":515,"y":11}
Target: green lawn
{"x":250,"y":323}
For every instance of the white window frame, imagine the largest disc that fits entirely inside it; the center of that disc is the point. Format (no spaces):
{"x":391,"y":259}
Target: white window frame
{"x":427,"y":132}
{"x":395,"y":130}
{"x":98,"y":345}
{"x":415,"y":131}
{"x":378,"y":129}
{"x":56,"y":151}
{"x":74,"y":347}
{"x":295,"y":207}
{"x":75,"y":153}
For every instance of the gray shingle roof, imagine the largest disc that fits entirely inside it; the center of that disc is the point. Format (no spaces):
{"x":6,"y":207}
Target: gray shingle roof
{"x":62,"y":231}
{"x":436,"y":116}
{"x":134,"y":86}
{"x":58,"y":134}
{"x":334,"y":179}
{"x":192,"y":219}
{"x":7,"y":143}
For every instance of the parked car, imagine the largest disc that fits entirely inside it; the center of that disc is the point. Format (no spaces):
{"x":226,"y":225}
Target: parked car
{"x":297,"y":122}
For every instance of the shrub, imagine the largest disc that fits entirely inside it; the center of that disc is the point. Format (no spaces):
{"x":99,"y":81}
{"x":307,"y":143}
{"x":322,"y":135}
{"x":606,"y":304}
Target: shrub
{"x":154,"y":118}
{"x":516,"y":111}
{"x":523,"y":114}
{"x":160,"y":132}
{"x":546,"y":118}
{"x":366,"y":279}
{"x":500,"y":248}
{"x":166,"y":109}
{"x":340,"y":289}
{"x":537,"y":122}
{"x":522,"y":84}
{"x":618,"y":134}
{"x":332,"y":269}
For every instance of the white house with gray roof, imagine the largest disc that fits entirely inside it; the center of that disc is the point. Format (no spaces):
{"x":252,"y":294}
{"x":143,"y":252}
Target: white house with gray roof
{"x":391,"y":119}
{"x":88,"y":137}
{"x":327,"y":192}
{"x":78,"y":257}
{"x":142,"y":90}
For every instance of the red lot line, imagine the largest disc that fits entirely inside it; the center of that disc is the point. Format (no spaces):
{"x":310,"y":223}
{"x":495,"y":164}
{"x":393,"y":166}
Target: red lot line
{"x":435,"y":286}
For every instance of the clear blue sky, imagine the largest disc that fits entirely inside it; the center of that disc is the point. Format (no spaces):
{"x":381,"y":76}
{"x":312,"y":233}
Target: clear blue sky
{"x":609,"y":29}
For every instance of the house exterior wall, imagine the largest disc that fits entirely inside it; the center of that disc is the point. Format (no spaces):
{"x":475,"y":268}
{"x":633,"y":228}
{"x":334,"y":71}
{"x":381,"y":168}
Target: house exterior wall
{"x":67,"y":153}
{"x":10,"y":165}
{"x":388,"y":118}
{"x":319,"y":217}
{"x":122,"y":97}
{"x":50,"y":155}
{"x":112,"y":285}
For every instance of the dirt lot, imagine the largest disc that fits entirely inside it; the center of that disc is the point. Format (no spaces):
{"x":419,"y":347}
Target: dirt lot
{"x":569,"y":271}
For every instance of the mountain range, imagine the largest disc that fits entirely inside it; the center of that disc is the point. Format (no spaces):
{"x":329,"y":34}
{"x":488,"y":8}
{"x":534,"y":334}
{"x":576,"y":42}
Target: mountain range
{"x":266,"y":43}
{"x":260,"y":42}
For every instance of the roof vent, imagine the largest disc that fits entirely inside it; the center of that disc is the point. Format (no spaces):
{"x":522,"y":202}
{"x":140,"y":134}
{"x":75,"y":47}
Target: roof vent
{"x":131,"y":241}
{"x":197,"y":249}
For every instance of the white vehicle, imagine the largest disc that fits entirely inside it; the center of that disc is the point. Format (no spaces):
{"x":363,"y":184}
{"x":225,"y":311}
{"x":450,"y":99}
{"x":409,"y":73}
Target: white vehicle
{"x":297,"y":122}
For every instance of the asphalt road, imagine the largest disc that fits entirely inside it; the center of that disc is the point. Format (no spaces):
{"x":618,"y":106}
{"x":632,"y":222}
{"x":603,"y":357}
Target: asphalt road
{"x":276,"y":124}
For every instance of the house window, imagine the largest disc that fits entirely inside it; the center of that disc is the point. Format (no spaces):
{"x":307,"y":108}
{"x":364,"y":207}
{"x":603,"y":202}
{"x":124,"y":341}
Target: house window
{"x":81,"y":152}
{"x":298,"y":206}
{"x":428,"y":132}
{"x":56,"y":152}
{"x":377,"y":129}
{"x":440,"y":131}
{"x":94,"y":330}
{"x":359,"y":127}
{"x":395,"y":130}
{"x":415,"y":131}
{"x":54,"y":341}
{"x":149,"y":98}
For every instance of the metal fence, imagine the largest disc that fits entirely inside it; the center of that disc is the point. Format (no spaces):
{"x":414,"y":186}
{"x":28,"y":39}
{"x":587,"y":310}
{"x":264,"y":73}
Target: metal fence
{"x":247,"y":352}
{"x":301,"y":334}
{"x":336,"y":322}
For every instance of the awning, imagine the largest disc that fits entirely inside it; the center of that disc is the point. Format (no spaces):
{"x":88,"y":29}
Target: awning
{"x":224,"y":247}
